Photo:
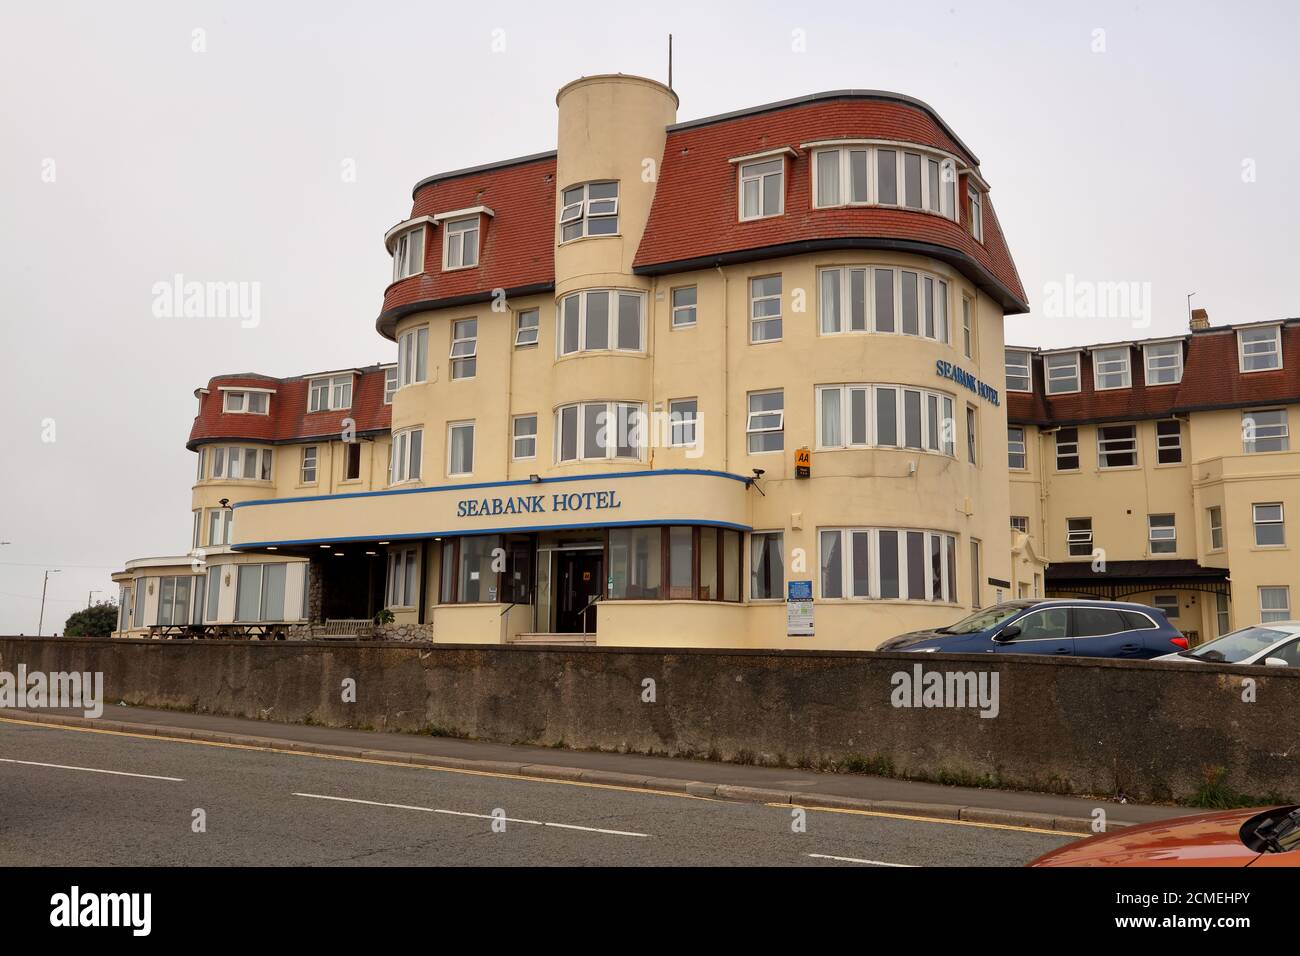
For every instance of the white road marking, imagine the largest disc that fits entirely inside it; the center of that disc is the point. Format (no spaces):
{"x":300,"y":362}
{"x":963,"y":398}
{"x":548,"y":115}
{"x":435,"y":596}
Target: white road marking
{"x":851,"y":859}
{"x":115,"y":773}
{"x":478,"y":816}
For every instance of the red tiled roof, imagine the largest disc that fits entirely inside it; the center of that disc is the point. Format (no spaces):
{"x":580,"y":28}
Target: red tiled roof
{"x":1211,"y":379}
{"x":516,"y":247}
{"x":288,"y":419}
{"x":694,"y":212}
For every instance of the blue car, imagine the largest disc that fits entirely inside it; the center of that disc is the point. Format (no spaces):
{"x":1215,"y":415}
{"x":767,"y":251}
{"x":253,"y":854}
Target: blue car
{"x":1072,"y":627}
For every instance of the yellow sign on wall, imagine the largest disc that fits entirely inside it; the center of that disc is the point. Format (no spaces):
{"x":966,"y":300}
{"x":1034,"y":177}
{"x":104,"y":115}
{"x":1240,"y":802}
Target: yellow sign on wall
{"x":802,"y":463}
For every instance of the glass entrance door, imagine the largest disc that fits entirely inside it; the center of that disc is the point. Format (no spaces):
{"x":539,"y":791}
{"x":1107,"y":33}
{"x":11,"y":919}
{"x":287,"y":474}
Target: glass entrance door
{"x":576,"y":578}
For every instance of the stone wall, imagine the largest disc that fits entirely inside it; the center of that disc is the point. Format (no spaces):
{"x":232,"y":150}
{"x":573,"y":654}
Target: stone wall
{"x":1135,"y":728}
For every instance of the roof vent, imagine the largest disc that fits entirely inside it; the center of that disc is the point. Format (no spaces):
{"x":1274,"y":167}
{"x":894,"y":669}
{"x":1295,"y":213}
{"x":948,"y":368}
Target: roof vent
{"x":1200,"y":320}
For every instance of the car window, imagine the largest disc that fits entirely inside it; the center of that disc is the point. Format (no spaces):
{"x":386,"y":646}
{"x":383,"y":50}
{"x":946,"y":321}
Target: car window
{"x":1045,"y":625}
{"x":1287,"y":652}
{"x":1238,"y":645}
{"x":1097,"y":621}
{"x":1137,"y":621}
{"x":983,"y":620}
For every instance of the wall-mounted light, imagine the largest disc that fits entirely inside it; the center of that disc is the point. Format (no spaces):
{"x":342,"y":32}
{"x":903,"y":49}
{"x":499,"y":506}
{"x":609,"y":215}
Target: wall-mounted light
{"x":535,"y":479}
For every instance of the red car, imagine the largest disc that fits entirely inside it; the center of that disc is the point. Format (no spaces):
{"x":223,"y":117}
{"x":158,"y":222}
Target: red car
{"x":1258,"y":837}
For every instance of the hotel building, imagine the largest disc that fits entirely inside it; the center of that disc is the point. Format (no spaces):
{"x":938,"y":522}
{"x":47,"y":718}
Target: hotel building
{"x":1161,"y":470}
{"x":616,"y":362}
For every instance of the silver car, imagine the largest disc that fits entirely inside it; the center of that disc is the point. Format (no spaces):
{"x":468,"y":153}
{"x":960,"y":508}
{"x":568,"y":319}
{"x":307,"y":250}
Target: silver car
{"x":1272,"y":645}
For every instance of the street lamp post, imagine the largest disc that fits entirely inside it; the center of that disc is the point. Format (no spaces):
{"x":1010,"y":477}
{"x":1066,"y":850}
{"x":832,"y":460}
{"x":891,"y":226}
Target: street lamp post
{"x":41,"y":626}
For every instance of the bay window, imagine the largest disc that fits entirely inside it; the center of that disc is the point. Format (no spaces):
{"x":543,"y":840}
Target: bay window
{"x":865,"y":174}
{"x":920,"y":302}
{"x":884,"y":416}
{"x":678,"y":562}
{"x":891,"y":564}
{"x":259,"y":593}
{"x":601,"y":320}
{"x":596,"y":430}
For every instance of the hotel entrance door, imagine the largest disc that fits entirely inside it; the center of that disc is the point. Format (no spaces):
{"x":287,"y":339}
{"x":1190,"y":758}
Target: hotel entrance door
{"x":577,"y":587}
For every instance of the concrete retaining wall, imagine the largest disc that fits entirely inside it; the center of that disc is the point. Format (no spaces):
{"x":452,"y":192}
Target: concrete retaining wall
{"x":1149,"y":731}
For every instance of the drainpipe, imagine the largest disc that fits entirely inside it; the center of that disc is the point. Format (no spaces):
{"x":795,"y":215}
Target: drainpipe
{"x":726,"y":360}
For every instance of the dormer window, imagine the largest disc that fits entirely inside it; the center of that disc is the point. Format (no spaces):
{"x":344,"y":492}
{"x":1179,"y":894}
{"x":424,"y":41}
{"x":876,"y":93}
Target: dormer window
{"x":1019,"y":375}
{"x":245,"y":401}
{"x":1164,"y":363}
{"x":862,"y":174}
{"x":408,"y":253}
{"x":762,"y":188}
{"x":1260,"y":349}
{"x":1110,"y":369}
{"x":976,"y":214}
{"x":589,"y":210}
{"x":460,"y":243}
{"x":1061,"y":372}
{"x":331,"y":394}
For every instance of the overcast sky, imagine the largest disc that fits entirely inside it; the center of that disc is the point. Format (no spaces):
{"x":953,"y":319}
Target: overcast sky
{"x":1153,"y":143}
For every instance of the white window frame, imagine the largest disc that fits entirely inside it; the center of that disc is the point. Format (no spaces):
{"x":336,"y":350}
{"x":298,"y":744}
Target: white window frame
{"x":1156,"y":358}
{"x":516,"y":437}
{"x":1062,"y":450}
{"x":1078,"y":537}
{"x":413,"y":357}
{"x":1280,"y":431}
{"x":453,"y":430}
{"x":932,"y":292}
{"x":246,"y":396}
{"x":755,"y":320}
{"x":774,"y":427}
{"x":408,"y":256}
{"x":1161,"y":533}
{"x":972,"y":434}
{"x":457,"y":252}
{"x":692,"y":308}
{"x":1259,"y":522}
{"x":1214,"y":516}
{"x":335,"y":387}
{"x":219,"y":524}
{"x":755,"y":538}
{"x":585,"y":209}
{"x":969,"y":327}
{"x":1052,"y":364}
{"x":522,"y":329}
{"x":1012,"y":445}
{"x":1019,"y":371}
{"x":612,"y":317}
{"x":1020,"y":523}
{"x":942,"y":205}
{"x":747,"y":174}
{"x":975,"y":202}
{"x":309,"y":460}
{"x":390,"y":384}
{"x":1274,"y":350}
{"x":397,"y":586}
{"x":463,"y":355}
{"x":1104,"y":449}
{"x":947,"y":592}
{"x":683,"y":428}
{"x":1111,"y":362}
{"x":1168,"y":603}
{"x":1272,"y":615}
{"x":935,"y":410}
{"x":636,"y":417}
{"x":399,"y":464}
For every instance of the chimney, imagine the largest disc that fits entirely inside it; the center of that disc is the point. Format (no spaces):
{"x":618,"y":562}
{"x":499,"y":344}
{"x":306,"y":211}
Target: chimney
{"x":1200,"y":320}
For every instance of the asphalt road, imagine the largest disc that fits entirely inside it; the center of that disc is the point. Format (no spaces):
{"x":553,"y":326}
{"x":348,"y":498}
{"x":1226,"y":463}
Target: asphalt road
{"x":79,"y":798}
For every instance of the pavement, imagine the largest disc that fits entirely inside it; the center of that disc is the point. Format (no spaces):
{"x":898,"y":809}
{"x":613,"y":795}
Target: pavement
{"x":472,"y":760}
